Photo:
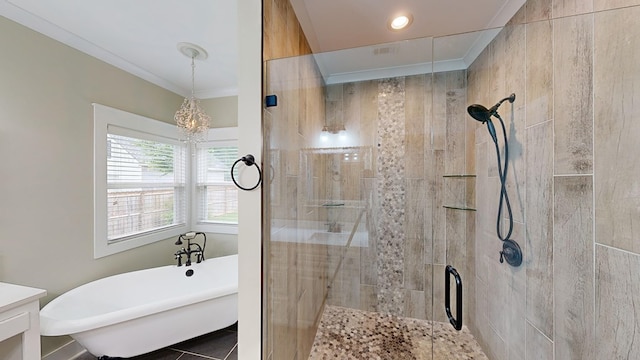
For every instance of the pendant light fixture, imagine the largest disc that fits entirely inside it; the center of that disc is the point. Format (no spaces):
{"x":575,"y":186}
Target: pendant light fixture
{"x":191,"y":119}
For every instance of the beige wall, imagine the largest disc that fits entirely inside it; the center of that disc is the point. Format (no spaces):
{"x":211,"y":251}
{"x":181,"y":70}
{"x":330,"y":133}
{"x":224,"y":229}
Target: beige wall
{"x":223,"y":111}
{"x":46,"y":142}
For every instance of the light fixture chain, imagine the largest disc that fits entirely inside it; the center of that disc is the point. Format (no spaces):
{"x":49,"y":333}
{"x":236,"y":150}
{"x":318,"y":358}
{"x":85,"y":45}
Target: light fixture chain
{"x":193,"y":76}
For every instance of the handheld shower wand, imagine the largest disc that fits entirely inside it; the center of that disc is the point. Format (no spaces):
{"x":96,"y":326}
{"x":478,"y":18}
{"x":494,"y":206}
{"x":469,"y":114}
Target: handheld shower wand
{"x":511,"y":251}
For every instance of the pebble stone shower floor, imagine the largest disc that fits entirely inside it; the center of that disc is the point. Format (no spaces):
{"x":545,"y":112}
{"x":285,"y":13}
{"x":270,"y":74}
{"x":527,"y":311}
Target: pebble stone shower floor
{"x":348,"y":334}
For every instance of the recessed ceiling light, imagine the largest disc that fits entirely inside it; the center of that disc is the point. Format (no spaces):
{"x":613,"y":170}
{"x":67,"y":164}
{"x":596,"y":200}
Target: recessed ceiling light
{"x":400,"y":22}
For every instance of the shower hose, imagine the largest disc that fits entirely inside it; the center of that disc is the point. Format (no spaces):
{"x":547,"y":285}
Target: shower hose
{"x":502,"y":174}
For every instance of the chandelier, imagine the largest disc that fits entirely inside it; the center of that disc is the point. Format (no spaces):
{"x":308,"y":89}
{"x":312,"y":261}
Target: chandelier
{"x":191,"y":119}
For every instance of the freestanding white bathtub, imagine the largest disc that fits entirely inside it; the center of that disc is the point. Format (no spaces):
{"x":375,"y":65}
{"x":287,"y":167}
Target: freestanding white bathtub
{"x":137,"y":312}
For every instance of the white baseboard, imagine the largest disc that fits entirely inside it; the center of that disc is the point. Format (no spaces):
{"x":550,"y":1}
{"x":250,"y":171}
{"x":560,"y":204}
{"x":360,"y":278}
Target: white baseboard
{"x":69,"y":351}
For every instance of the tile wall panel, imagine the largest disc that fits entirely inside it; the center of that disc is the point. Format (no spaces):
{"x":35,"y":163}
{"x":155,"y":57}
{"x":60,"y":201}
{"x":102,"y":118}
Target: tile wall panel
{"x":617,"y":107}
{"x":538,"y":347}
{"x":539,"y":97}
{"x":515,"y":312}
{"x":414,"y":254}
{"x":599,"y":5}
{"x":573,"y":269}
{"x":436,"y":212}
{"x":415,"y":129}
{"x":539,"y":234}
{"x":538,"y":10}
{"x":617,"y":295}
{"x":564,"y":8}
{"x":573,"y":104}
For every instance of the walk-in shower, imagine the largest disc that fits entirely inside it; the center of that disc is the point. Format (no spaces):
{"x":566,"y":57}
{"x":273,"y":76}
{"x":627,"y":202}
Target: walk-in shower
{"x":419,"y":163}
{"x":511,"y":252}
{"x":366,"y":225}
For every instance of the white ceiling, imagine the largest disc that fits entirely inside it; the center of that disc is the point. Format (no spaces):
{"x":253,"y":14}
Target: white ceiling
{"x":342,"y":24}
{"x":141,"y":36}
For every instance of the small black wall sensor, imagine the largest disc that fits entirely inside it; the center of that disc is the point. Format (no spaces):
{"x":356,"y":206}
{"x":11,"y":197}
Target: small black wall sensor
{"x":271,"y":100}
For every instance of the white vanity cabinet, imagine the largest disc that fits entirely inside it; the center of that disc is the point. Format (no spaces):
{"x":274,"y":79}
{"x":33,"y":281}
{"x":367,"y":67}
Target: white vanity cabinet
{"x":20,"y":322}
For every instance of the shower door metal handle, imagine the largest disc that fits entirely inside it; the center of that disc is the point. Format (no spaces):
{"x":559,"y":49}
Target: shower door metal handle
{"x":450,"y":270}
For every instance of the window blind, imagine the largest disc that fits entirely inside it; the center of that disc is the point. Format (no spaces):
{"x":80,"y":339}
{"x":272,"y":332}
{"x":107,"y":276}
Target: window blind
{"x":217,"y":196}
{"x":146,"y":184}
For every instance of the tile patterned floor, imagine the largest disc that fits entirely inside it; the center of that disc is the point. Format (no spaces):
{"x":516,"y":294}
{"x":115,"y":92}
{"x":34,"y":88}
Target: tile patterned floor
{"x":218,"y":345}
{"x":349,"y":334}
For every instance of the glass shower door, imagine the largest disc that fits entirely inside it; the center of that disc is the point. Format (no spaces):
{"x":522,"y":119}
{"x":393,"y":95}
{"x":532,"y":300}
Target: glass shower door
{"x":349,"y":218}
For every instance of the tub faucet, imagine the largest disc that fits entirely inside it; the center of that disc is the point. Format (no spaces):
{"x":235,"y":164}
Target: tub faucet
{"x":191,"y":249}
{"x":178,"y":256}
{"x":188,"y":252}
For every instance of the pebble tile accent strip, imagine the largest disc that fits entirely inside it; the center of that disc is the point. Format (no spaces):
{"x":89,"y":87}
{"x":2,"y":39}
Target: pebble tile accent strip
{"x":349,"y":334}
{"x":391,"y":194}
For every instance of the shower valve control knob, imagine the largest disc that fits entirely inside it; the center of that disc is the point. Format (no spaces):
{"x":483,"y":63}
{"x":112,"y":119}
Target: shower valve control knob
{"x":508,"y":252}
{"x":511,"y":253}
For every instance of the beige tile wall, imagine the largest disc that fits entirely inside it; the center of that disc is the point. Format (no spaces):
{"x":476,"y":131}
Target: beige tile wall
{"x":282,"y":35}
{"x":573,"y":297}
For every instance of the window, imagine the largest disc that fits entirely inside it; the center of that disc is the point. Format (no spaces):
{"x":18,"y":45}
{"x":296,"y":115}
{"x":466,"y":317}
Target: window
{"x":216,"y":197}
{"x":147,"y":188}
{"x":140,"y":175}
{"x":146,"y":185}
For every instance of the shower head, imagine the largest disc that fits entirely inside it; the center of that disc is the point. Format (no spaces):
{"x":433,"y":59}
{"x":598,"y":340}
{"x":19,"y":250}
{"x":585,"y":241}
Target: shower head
{"x":479,"y":113}
{"x":483,"y":114}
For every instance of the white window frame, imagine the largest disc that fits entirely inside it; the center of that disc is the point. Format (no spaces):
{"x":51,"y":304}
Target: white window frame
{"x":104,"y":117}
{"x":220,"y":137}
